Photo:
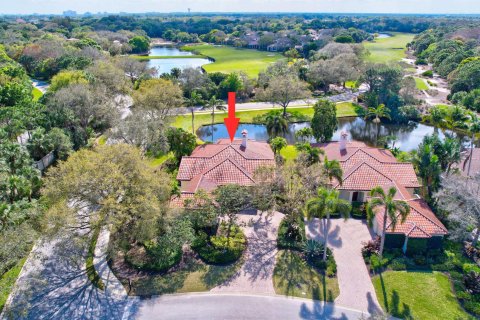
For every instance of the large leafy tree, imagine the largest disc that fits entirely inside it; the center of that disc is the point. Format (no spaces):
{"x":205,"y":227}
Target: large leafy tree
{"x":283,"y":90}
{"x":325,"y":204}
{"x":461,"y":201}
{"x":324,"y":121}
{"x":182,"y":143}
{"x":108,"y":186}
{"x":393,"y":210}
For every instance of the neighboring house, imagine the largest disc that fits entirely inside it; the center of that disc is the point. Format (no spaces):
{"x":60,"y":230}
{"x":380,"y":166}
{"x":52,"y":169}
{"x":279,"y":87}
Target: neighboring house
{"x":365,"y":168}
{"x":213,"y":165}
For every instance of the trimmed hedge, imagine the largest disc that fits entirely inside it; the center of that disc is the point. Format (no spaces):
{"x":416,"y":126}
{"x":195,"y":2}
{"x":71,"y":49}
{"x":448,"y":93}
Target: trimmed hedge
{"x":153,"y":258}
{"x":291,"y":236}
{"x":218,"y":249}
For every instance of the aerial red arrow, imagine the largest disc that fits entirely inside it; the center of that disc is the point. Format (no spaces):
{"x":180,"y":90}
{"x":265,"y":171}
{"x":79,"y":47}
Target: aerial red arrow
{"x":231,"y":122}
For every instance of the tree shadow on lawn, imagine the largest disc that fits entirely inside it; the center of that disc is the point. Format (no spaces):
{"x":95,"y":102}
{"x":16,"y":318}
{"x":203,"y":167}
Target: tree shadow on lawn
{"x":293,"y":276}
{"x":392,"y":306}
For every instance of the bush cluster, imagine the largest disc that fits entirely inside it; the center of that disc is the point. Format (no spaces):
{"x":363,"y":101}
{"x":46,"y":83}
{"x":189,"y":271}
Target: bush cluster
{"x":291,"y":235}
{"x":218,"y":249}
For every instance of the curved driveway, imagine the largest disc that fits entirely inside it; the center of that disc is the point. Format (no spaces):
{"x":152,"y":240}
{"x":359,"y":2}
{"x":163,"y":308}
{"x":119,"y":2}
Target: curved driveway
{"x":237,"y":306}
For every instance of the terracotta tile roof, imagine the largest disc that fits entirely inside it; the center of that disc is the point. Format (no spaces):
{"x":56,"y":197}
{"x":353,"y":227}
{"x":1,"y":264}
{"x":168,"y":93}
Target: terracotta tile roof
{"x":211,"y":165}
{"x":421,"y":222}
{"x":365,"y":168}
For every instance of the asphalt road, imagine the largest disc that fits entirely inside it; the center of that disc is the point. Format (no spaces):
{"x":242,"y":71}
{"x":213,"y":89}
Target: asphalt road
{"x":236,"y":306}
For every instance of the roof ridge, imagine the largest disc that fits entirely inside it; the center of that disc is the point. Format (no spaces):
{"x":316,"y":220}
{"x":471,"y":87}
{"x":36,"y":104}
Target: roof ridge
{"x":419,"y":228}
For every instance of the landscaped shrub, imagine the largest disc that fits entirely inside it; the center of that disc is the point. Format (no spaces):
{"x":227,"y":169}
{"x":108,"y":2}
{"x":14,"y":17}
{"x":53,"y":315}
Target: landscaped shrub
{"x":358,"y":210}
{"x":371,"y":247}
{"x":331,"y":265}
{"x":154,"y":258}
{"x":377,"y":263}
{"x":416,"y":246}
{"x":472,"y":307}
{"x":291,"y":234}
{"x":421,"y":61}
{"x":428,"y":73}
{"x":313,"y":249}
{"x":219,"y":249}
{"x":398,"y":264}
{"x":472,"y":282}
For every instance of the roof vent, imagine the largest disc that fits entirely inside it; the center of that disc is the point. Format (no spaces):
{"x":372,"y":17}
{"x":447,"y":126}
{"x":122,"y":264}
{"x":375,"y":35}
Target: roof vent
{"x":244,"y":139}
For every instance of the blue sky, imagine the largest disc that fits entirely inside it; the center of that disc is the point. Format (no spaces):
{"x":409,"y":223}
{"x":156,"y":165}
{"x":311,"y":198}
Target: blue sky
{"x":356,"y":6}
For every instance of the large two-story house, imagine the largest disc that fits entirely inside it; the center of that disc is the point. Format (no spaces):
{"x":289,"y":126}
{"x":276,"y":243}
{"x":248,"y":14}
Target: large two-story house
{"x":366,"y":167}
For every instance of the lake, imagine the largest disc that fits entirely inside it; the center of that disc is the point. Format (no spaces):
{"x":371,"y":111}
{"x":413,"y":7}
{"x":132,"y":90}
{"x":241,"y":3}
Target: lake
{"x":408,"y":137}
{"x":166,"y":65}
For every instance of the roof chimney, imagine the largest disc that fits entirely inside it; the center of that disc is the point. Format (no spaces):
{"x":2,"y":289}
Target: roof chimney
{"x":244,"y":139}
{"x":343,"y":141}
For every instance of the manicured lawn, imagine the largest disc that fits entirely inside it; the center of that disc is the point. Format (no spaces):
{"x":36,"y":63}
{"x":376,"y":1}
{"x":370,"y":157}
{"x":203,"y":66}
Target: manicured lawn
{"x":292,"y":276}
{"x":344,"y":109}
{"x":7,"y":281}
{"x":417,"y":295}
{"x":421,"y":85}
{"x":159,"y":160}
{"x":388,"y":49}
{"x":37,"y":94}
{"x":193,"y":276}
{"x":229,"y":59}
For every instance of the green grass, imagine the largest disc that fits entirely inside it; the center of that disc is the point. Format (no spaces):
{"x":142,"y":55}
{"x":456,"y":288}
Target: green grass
{"x":388,"y":49}
{"x":229,"y":59}
{"x":417,"y":295}
{"x":91,"y":272}
{"x":421,"y":85}
{"x":37,"y":94}
{"x":289,"y":153}
{"x":193,"y":276}
{"x":102,"y":140}
{"x":7,"y":281}
{"x":344,"y":109}
{"x":167,"y":57}
{"x":292,"y":276}
{"x":159,"y":160}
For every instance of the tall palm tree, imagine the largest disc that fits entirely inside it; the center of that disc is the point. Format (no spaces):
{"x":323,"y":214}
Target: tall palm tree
{"x":333,"y":169}
{"x":474,"y":129}
{"x":192,"y":102}
{"x":377,"y":114}
{"x":276,"y":124}
{"x":213,"y":104}
{"x":457,"y":118}
{"x":452,"y":153}
{"x":326,"y":203}
{"x":393,"y":209}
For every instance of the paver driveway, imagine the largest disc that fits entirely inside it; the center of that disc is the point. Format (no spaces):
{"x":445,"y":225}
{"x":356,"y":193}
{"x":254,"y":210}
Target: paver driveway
{"x":345,"y":239}
{"x":255,"y":275}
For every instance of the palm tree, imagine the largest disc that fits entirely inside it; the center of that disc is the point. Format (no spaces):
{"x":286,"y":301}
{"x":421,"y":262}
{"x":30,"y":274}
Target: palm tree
{"x":377,"y":114}
{"x":326,"y":203}
{"x":436,"y":117}
{"x":333,"y":169}
{"x":278,"y":144}
{"x":393,"y":210}
{"x":312,"y":154}
{"x":474,"y":129}
{"x":213,"y":104}
{"x":457,"y":117}
{"x":452,"y":154}
{"x":192,"y":102}
{"x":276,"y":124}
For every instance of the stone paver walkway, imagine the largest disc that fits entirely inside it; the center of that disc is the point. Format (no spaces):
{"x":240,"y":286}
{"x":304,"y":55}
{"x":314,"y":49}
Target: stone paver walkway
{"x":345,"y":239}
{"x":255,"y":276}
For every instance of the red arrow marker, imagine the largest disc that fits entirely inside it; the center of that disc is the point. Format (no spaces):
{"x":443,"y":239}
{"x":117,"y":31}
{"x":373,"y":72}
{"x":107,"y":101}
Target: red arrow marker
{"x":231,"y":122}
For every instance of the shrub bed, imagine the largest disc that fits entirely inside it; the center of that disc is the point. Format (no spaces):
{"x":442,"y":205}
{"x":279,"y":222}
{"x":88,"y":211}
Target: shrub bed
{"x":153,"y":258}
{"x":219,"y":249}
{"x":291,"y":235}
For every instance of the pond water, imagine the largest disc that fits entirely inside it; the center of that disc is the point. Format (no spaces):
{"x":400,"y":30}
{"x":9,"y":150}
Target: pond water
{"x":408,"y":137}
{"x":166,"y":65}
{"x":383,"y":36}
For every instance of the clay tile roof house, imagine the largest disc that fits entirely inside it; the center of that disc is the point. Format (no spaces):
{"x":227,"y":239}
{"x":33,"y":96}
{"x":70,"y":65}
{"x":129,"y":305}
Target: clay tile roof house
{"x":212,"y":165}
{"x":366,"y":167}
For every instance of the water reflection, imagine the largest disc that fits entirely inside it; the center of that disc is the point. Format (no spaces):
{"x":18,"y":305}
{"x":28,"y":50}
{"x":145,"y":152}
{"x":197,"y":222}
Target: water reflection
{"x":166,"y":65}
{"x":407,"y":137}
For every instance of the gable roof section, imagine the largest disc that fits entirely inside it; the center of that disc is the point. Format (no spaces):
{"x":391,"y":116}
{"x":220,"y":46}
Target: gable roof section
{"x":223,"y":163}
